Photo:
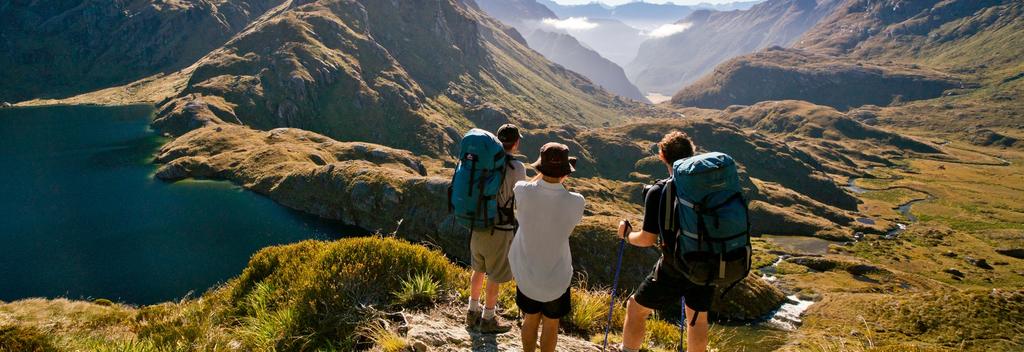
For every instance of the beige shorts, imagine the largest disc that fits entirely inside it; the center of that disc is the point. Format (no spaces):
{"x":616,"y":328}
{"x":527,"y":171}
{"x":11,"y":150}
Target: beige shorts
{"x":490,"y":254}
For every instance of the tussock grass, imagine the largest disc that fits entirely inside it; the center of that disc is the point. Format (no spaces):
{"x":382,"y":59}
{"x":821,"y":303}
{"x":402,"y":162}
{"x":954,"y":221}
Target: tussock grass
{"x":25,"y":339}
{"x":418,"y":290}
{"x":382,"y":337}
{"x":589,"y":313}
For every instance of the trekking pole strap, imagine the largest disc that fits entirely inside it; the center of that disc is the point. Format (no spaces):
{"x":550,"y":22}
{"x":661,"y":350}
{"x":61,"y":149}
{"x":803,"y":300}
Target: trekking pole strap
{"x":615,"y":285}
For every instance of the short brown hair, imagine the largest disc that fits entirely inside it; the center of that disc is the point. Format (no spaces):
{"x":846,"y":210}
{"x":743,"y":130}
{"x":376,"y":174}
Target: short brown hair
{"x":676,"y":145}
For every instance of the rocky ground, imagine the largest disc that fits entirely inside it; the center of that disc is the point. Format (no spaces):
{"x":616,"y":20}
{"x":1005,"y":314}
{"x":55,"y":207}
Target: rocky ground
{"x":443,"y":330}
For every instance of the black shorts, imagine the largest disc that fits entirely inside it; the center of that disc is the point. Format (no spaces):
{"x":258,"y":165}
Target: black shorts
{"x":556,"y":309}
{"x":661,"y":290}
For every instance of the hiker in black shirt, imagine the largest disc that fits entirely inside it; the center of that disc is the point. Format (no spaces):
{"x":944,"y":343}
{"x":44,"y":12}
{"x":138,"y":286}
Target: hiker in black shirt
{"x":664,"y":286}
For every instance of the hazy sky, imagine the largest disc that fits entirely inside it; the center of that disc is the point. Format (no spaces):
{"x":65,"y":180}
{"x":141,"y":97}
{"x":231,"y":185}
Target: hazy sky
{"x":619,"y":2}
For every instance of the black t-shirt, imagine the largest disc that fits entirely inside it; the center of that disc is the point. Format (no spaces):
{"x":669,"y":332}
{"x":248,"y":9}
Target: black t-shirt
{"x":654,"y":211}
{"x":653,"y":208}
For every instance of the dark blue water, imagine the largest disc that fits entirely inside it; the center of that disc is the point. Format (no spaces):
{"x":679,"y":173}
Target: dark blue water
{"x":82,"y":217}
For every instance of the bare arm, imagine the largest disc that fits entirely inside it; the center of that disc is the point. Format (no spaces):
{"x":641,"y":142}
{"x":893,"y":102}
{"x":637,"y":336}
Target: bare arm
{"x":636,"y":238}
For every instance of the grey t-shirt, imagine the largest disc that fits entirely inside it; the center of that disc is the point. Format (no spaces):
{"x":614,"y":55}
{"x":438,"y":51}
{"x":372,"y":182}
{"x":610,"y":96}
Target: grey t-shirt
{"x":516,"y":172}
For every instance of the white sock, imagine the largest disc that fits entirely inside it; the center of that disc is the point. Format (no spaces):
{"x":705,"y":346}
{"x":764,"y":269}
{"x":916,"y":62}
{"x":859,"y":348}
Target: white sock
{"x":488,"y":313}
{"x":624,"y":349}
{"x":474,"y":305}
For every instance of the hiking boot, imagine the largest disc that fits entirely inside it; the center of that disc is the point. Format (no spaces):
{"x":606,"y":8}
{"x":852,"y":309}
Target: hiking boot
{"x":473,"y":320}
{"x":493,"y":326}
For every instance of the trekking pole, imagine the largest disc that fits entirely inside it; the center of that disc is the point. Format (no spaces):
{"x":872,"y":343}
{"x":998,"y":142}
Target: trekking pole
{"x":615,"y":284}
{"x":682,"y":322}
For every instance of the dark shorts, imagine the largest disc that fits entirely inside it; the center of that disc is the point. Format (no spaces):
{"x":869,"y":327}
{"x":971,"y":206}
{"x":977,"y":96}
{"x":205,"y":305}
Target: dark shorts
{"x":661,"y":290}
{"x":556,"y":309}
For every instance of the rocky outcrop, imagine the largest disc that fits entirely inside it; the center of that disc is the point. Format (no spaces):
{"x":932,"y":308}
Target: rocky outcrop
{"x":783,"y":74}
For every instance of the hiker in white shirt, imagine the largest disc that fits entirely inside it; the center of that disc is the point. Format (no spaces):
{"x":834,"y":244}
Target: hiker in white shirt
{"x":539,"y":256}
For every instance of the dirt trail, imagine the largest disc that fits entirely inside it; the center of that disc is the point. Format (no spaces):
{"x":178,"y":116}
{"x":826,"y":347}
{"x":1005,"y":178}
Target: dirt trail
{"x":442,"y":329}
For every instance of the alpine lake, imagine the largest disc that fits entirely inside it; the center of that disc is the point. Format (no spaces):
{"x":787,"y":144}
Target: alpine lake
{"x":82,"y":217}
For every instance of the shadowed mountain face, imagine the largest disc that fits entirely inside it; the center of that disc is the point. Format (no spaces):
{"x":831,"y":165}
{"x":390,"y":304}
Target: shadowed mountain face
{"x":781,"y":74}
{"x":527,"y":16}
{"x":353,"y":70}
{"x":61,"y":48}
{"x":665,"y":65}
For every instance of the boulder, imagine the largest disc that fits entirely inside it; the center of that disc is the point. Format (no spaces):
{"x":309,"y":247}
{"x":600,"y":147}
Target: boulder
{"x":979,"y":262}
{"x":1012,"y":252}
{"x":956,"y":273}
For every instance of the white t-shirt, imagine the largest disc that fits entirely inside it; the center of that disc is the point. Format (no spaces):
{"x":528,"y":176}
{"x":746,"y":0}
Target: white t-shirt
{"x":539,"y":256}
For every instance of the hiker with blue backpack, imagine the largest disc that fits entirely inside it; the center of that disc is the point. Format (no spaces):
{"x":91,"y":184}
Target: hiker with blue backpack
{"x":540,"y":257}
{"x":482,"y":199}
{"x":698,"y":218}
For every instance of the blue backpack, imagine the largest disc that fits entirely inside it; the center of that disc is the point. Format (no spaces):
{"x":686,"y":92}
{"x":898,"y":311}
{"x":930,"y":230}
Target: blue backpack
{"x":473,"y":193}
{"x":708,"y":214}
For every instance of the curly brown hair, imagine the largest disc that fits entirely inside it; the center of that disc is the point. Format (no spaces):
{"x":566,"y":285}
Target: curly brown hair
{"x":676,"y":145}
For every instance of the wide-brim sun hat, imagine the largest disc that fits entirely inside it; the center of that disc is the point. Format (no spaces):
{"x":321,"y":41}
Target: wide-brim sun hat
{"x":554,"y":160}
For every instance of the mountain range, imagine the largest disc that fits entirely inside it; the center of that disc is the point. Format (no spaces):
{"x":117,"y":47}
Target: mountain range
{"x":892,"y":54}
{"x":665,"y":65}
{"x":639,"y":14}
{"x":528,"y":17}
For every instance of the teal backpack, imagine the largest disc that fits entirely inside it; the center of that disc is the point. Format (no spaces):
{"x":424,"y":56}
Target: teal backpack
{"x":472,"y":195}
{"x":707,"y":211}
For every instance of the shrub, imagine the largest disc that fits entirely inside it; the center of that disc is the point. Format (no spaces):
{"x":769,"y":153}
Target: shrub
{"x":321,"y":292}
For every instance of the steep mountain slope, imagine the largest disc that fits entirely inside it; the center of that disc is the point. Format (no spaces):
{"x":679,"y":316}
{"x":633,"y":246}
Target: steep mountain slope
{"x":914,"y":49}
{"x":58,"y":48}
{"x":664,"y":65}
{"x":941,"y":33}
{"x":781,"y":74}
{"x":567,"y":51}
{"x":527,"y":16}
{"x":352,"y":69}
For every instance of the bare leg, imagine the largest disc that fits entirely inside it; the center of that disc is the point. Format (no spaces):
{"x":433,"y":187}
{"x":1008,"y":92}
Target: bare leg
{"x":476,"y":282}
{"x":635,"y":325}
{"x":530,"y":325}
{"x":549,"y":335}
{"x":696,"y":335}
{"x":492,"y":294}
